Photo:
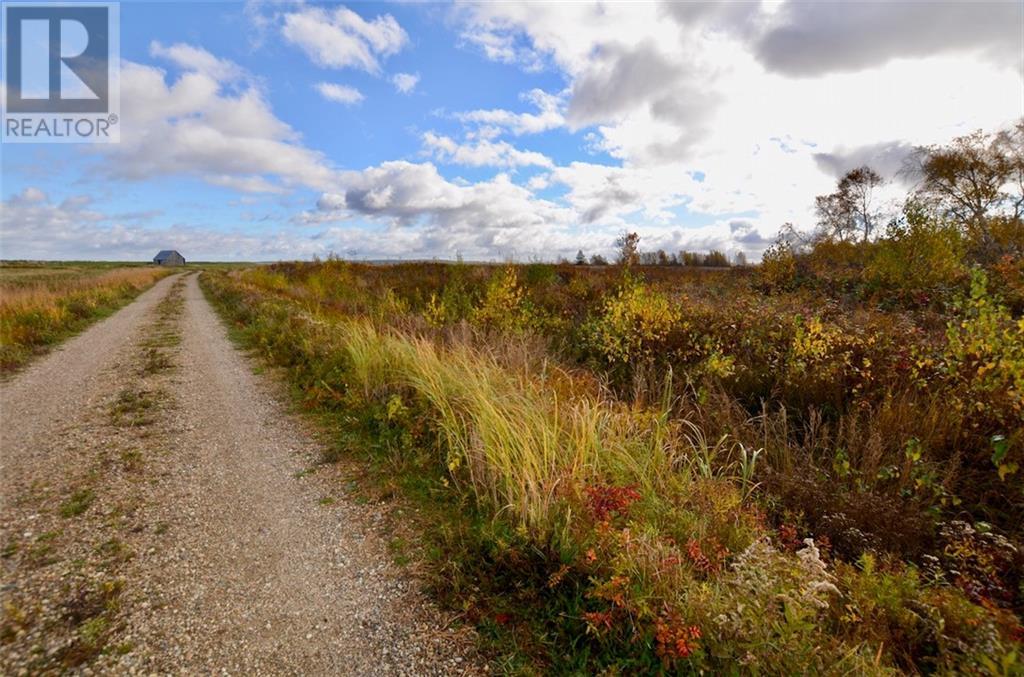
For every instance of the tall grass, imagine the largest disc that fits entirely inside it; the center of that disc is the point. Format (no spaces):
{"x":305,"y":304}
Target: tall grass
{"x":45,"y":309}
{"x":525,"y":442}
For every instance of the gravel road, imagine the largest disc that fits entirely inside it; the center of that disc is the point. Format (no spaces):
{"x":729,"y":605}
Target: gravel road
{"x":211,"y":539}
{"x":50,"y":396}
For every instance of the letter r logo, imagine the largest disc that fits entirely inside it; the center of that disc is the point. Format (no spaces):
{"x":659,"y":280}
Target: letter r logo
{"x":57,"y":58}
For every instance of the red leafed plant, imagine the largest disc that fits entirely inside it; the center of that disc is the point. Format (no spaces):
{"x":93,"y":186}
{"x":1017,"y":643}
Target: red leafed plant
{"x":605,"y":500}
{"x":707,"y":558}
{"x":674,"y":638}
{"x":789,"y":537}
{"x":598,"y":621}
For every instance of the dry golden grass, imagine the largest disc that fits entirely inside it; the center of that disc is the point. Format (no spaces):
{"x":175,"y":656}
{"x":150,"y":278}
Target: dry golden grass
{"x":41,"y":306}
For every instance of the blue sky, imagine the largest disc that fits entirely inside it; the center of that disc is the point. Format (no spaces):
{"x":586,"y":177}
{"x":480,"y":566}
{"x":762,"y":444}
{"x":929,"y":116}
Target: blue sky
{"x":263,"y":131}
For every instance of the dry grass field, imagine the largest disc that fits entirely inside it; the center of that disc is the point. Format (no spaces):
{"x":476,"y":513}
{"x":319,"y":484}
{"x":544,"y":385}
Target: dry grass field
{"x":43,"y":303}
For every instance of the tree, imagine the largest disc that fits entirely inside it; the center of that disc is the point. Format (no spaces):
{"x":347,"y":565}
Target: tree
{"x":716,"y":259}
{"x":580,"y":258}
{"x":598,"y":260}
{"x":849,"y":212}
{"x":977,"y":180}
{"x":628,"y":245}
{"x":690,"y":258}
{"x":648,"y":258}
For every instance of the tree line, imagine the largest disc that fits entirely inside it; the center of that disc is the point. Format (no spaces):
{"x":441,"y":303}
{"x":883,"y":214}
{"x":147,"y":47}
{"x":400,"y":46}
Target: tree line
{"x":964,"y":210}
{"x":629,"y":254}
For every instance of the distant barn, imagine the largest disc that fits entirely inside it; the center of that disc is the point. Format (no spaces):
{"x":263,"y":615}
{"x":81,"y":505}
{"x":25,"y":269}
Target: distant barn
{"x":169,"y":257}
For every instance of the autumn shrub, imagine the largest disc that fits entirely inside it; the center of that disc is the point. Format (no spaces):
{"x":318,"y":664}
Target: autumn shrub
{"x":503,"y":306}
{"x":778,"y":271}
{"x":919,"y":257}
{"x":634,"y":324}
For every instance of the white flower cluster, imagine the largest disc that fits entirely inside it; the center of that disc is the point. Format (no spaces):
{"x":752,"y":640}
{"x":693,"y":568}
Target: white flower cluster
{"x":819,"y":583}
{"x":769,"y":580}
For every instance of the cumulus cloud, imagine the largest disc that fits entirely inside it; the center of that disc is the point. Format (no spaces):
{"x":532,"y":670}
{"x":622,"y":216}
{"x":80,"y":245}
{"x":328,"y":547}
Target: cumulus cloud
{"x":198,"y":60}
{"x":341,"y":38}
{"x":675,"y":88}
{"x":479,"y":219}
{"x":483,"y":153}
{"x":34,"y":227}
{"x":194,"y":126}
{"x":887,"y":158}
{"x":339,"y":93}
{"x":607,"y":195}
{"x":548,"y":116}
{"x":811,"y":38}
{"x":405,"y":83}
{"x":620,"y":77}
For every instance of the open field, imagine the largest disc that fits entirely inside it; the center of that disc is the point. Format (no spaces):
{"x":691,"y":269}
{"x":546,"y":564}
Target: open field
{"x":43,"y":303}
{"x":638,"y":468}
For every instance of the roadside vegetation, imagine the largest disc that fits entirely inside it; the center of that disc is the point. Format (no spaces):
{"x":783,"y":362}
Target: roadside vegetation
{"x":42,"y":304}
{"x":808,"y":466}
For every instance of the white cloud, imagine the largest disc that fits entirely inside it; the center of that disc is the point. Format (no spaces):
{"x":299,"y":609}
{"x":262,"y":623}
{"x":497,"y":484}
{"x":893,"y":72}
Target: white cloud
{"x":676,"y":88}
{"x":484,"y":219}
{"x":549,"y":115}
{"x":405,"y":82}
{"x":483,"y":153}
{"x":191,"y":126}
{"x":198,"y":60}
{"x":607,"y":195}
{"x":339,"y":93}
{"x":33,"y":227}
{"x":340,"y":38}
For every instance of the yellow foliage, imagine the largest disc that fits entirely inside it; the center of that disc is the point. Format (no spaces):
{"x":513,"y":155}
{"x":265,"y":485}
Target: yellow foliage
{"x":636,"y":322}
{"x":502,"y":306}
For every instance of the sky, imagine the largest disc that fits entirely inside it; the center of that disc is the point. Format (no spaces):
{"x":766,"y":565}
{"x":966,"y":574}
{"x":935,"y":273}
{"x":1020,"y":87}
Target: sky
{"x":502,"y":131}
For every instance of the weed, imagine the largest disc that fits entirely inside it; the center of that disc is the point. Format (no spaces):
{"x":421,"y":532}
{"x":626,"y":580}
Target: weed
{"x":398,"y":547}
{"x":133,"y":407}
{"x":131,"y":459}
{"x":77,"y":503}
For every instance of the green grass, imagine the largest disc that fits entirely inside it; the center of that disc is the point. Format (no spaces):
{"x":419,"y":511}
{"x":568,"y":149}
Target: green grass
{"x":77,"y":503}
{"x":134,"y":407}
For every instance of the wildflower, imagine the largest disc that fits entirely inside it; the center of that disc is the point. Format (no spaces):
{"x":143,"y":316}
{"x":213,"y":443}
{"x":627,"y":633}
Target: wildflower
{"x":819,"y":581}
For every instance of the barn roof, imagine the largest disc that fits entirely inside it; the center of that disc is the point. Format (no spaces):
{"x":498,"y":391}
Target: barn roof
{"x":165,"y":253}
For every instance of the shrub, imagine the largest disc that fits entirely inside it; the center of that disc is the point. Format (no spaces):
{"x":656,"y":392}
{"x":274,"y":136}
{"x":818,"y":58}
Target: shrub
{"x":634,"y":324}
{"x":920,"y":254}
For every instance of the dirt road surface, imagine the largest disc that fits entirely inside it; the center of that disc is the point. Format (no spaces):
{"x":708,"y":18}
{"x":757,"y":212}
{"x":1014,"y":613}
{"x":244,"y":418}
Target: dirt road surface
{"x":163,"y":512}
